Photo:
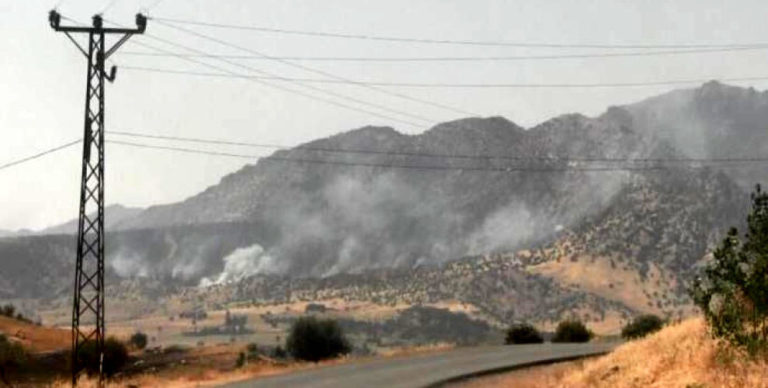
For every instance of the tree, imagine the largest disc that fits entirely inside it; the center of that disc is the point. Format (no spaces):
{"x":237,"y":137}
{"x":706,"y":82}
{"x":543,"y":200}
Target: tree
{"x":139,"y":340}
{"x":252,"y":350}
{"x":115,"y":356}
{"x":732,"y":290}
{"x":572,"y":331}
{"x":311,"y":339}
{"x":241,"y":360}
{"x":523,"y":333}
{"x":12,"y":356}
{"x":8,"y":310}
{"x":642,"y":326}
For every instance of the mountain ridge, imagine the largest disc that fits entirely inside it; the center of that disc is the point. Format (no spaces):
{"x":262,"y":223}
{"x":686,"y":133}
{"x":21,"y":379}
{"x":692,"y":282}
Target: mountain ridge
{"x":550,"y":204}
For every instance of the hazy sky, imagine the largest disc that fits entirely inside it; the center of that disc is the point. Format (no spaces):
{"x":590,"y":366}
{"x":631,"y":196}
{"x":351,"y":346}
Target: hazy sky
{"x":42,"y":79}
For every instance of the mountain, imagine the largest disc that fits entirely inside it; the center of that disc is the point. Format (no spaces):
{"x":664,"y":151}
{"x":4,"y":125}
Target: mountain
{"x":113,"y":215}
{"x":317,"y":219}
{"x":713,"y":121}
{"x":544,"y":215}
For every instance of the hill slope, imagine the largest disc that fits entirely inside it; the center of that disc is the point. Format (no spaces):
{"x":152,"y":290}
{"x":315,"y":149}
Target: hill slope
{"x":528,"y":201}
{"x":682,"y":355}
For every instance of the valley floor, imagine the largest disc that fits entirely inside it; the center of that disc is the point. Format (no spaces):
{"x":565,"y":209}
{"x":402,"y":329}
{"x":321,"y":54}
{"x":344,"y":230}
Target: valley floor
{"x":681,"y":355}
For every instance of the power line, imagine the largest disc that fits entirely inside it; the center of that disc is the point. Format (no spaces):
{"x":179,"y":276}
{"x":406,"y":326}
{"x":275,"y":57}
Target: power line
{"x":409,"y":166}
{"x":320,"y":72}
{"x":108,"y":6}
{"x":283,"y":88}
{"x":453,"y":42}
{"x":465,"y":58}
{"x":454,"y":85}
{"x":382,"y":165}
{"x":437,"y":155}
{"x":457,"y":125}
{"x":153,"y":6}
{"x":39,"y":155}
{"x":427,"y":167}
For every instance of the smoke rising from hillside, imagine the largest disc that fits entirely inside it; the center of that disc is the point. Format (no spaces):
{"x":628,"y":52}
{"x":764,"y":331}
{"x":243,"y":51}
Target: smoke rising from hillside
{"x":324,"y":220}
{"x":242,"y":263}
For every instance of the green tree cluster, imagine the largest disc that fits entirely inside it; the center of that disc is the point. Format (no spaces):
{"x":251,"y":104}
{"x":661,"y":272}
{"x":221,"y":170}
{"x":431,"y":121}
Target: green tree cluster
{"x":732,"y":291}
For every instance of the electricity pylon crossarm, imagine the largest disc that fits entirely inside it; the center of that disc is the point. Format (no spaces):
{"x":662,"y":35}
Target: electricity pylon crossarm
{"x":88,"y":307}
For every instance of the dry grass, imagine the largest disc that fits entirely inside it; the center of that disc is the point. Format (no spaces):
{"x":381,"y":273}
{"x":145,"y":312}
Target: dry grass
{"x":595,"y":274}
{"x":537,"y":376}
{"x":404,"y":351}
{"x":33,"y":337}
{"x":681,"y":355}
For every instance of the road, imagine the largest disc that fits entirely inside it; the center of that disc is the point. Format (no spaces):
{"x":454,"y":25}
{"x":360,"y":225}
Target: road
{"x":422,"y":370}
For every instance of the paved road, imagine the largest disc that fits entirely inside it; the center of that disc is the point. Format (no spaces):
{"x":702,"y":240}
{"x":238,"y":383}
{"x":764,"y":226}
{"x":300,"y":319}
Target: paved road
{"x":422,"y":370}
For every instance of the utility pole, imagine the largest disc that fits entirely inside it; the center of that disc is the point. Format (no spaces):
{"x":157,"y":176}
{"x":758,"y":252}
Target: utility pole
{"x":88,"y":307}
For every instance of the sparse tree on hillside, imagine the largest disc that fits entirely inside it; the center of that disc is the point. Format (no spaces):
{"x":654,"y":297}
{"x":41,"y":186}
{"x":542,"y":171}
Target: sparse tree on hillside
{"x":732,"y":292}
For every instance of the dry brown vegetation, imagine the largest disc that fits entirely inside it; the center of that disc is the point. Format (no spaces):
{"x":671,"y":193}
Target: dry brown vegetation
{"x":681,"y":355}
{"x":214,"y":365}
{"x":33,"y":337}
{"x":621,"y":283}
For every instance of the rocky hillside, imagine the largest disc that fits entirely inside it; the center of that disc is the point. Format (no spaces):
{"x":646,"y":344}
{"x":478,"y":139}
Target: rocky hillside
{"x":353,"y":214}
{"x":558,"y":216}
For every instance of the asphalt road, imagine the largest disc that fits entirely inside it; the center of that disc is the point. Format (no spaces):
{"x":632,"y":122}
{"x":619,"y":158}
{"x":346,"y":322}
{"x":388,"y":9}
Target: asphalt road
{"x":423,"y":370}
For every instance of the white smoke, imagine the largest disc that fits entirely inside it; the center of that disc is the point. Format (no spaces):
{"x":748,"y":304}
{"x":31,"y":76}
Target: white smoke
{"x":192,"y":262}
{"x":128,"y":265}
{"x":505,"y":228}
{"x":242,"y":263}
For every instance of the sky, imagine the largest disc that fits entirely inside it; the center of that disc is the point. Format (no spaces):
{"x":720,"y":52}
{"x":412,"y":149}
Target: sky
{"x":42,"y":79}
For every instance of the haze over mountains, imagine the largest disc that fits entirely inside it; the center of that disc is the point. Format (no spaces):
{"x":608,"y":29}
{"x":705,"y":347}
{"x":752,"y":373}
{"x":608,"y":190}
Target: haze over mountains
{"x":477,"y":187}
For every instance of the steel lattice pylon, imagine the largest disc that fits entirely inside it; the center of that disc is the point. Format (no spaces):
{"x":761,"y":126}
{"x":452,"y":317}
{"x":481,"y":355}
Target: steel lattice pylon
{"x":88,"y":306}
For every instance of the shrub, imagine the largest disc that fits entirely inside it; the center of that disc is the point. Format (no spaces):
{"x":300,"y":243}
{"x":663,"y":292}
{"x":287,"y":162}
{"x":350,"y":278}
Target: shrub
{"x":241,"y":358}
{"x":523,"y":333}
{"x":312,"y":339}
{"x":252,"y":350}
{"x":279,"y":352}
{"x":12,"y":357}
{"x":572,"y":331}
{"x":732,"y":291}
{"x":115,"y":356}
{"x":642,"y":326}
{"x":138,"y":340}
{"x":8,"y":310}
